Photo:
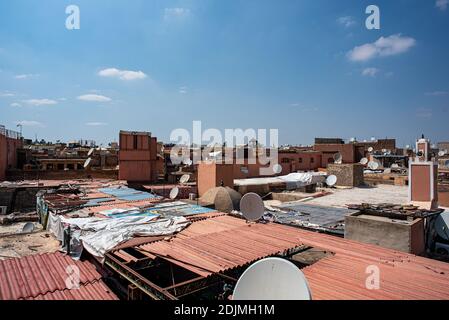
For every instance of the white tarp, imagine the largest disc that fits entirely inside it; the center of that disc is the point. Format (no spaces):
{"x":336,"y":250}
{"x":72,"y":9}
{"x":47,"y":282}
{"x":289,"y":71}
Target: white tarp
{"x":293,"y":180}
{"x":100,"y":235}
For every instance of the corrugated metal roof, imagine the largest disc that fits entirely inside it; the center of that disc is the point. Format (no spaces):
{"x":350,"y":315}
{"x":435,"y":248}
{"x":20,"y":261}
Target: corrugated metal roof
{"x":222,"y":243}
{"x":40,"y":275}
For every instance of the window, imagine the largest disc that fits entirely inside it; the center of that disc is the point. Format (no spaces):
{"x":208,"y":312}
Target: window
{"x":312,"y":160}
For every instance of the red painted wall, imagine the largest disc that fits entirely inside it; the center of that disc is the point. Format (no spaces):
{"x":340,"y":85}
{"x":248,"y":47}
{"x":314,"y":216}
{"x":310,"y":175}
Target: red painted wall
{"x":8,"y":154}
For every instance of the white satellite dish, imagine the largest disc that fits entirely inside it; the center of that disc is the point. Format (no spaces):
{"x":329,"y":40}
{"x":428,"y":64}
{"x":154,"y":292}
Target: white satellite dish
{"x":364,"y":161}
{"x":441,"y":153}
{"x":384,"y":150}
{"x":352,"y":140}
{"x":91,"y":150}
{"x":370,"y":149}
{"x":277,"y":168}
{"x":331,"y":180}
{"x":252,"y":207}
{"x":442,"y":225}
{"x":272,"y":279}
{"x":174,"y":193}
{"x":184,"y":178}
{"x":28,"y":227}
{"x":373,"y":138}
{"x":338,"y":158}
{"x":373,"y":165}
{"x":187,"y":161}
{"x":87,"y":162}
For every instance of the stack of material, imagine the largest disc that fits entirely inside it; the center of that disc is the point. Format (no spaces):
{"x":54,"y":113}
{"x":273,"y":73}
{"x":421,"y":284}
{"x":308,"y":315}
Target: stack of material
{"x":348,"y":175}
{"x":164,"y":190}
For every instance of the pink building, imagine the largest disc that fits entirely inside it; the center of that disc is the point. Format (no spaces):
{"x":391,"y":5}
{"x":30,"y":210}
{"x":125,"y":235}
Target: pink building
{"x":10,"y":141}
{"x":138,"y":157}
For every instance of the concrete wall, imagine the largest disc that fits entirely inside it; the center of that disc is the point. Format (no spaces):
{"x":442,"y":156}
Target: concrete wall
{"x":18,"y":175}
{"x":328,"y":150}
{"x":398,"y":235}
{"x":211,"y":175}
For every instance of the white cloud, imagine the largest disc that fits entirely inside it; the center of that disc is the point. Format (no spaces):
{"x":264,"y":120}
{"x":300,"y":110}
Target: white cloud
{"x":437,"y":93}
{"x":30,"y":123}
{"x":175,"y":13}
{"x":15,"y":105}
{"x":425,"y":113}
{"x":94,"y":97}
{"x":122,"y":74}
{"x":40,"y":102}
{"x":26,"y":76}
{"x":442,"y":4}
{"x":346,"y":21}
{"x":96,"y":124}
{"x":370,"y":72}
{"x":182,"y":90}
{"x":6,"y":94}
{"x":383,"y":47}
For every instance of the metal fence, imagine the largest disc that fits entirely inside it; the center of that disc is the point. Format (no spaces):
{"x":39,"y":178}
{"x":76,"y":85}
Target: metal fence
{"x":9,"y":133}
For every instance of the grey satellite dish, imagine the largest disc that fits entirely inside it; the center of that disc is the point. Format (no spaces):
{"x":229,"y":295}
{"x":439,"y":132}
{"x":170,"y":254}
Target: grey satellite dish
{"x":373,"y":165}
{"x":370,"y":149}
{"x":87,"y":162}
{"x":441,"y":153}
{"x":272,"y":279}
{"x":277,"y":168}
{"x":184,"y":179}
{"x":364,"y":161}
{"x":252,"y":207}
{"x":442,"y":225}
{"x":174,"y":193}
{"x":338,"y":158}
{"x":28,"y":227}
{"x":91,"y":150}
{"x":331,"y":180}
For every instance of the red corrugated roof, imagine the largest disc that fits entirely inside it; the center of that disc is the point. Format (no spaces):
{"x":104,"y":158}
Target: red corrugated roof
{"x":222,"y":243}
{"x":41,"y":275}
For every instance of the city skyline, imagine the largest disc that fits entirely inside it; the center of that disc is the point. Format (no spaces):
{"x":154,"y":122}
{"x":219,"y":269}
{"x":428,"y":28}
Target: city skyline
{"x":308,"y":69}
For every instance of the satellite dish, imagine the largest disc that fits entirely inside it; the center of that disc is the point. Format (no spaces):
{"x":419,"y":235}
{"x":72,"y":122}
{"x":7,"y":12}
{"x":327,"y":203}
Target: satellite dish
{"x":272,"y":279}
{"x":277,"y":168}
{"x":252,"y":207}
{"x":338,"y":158}
{"x":442,"y":225}
{"x":364,"y":161}
{"x":174,"y":193}
{"x":331,"y":180}
{"x":370,"y":149}
{"x":187,"y":162}
{"x":441,"y":153}
{"x":384,"y":150}
{"x":373,"y":138}
{"x":184,"y":179}
{"x":395,"y":166}
{"x":91,"y":150}
{"x":28,"y":227}
{"x":352,"y":139}
{"x":87,"y":162}
{"x":373,"y":165}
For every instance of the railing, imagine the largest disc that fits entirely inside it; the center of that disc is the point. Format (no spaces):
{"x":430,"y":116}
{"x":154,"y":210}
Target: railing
{"x":10,"y":133}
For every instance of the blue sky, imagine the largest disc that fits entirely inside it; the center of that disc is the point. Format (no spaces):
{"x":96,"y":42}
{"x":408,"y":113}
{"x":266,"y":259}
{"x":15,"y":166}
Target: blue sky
{"x":307,"y":68}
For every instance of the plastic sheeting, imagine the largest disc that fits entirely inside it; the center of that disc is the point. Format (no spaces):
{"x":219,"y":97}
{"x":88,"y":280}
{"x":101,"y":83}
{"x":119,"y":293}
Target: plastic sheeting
{"x":293,"y":180}
{"x":101,"y":235}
